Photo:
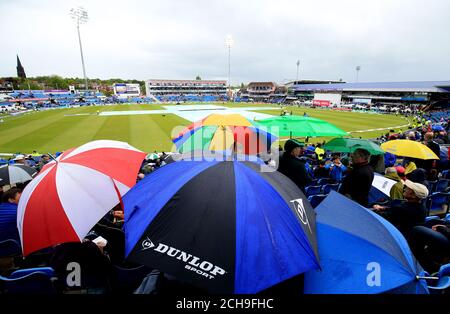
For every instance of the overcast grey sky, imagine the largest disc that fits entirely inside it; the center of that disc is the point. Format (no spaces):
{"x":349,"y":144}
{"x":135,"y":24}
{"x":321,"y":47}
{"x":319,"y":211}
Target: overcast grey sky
{"x":392,"y":40}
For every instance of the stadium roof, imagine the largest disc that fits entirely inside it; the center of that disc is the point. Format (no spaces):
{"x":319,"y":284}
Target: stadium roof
{"x":428,"y":87}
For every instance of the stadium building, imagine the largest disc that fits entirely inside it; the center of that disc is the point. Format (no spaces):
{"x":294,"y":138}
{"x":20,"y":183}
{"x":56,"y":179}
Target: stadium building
{"x":434,"y":94}
{"x":263,"y":92}
{"x":125,"y":90}
{"x":186,"y":90}
{"x":259,"y":91}
{"x":272,"y":92}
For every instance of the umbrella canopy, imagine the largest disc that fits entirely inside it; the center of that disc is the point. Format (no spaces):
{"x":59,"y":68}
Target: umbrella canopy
{"x":349,"y":145}
{"x":408,"y":148}
{"x":13,"y":174}
{"x":223,"y":226}
{"x":223,"y":132}
{"x":361,"y":253}
{"x":70,"y":195}
{"x":300,"y":126}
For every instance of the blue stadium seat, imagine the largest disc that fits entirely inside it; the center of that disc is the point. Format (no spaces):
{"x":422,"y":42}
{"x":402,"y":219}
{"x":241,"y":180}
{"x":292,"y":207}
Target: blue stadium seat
{"x":328,"y":187}
{"x":429,"y":218}
{"x":446,"y":174}
{"x":432,"y":186}
{"x":441,"y":185}
{"x":436,"y":201}
{"x":313,"y":190}
{"x":447,"y":217}
{"x":443,"y":283}
{"x":10,"y":247}
{"x":29,"y":281}
{"x":126,"y":280}
{"x":324,"y":181}
{"x":315,"y":200}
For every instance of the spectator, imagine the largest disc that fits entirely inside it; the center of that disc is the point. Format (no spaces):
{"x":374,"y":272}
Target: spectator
{"x":8,"y":215}
{"x":95,"y":266}
{"x":140,"y":176}
{"x":429,"y":164}
{"x":20,"y":159}
{"x":389,"y":159}
{"x":419,"y":176}
{"x":337,"y":169}
{"x":411,"y":136}
{"x":407,"y":214}
{"x":321,"y":171}
{"x":291,"y":166}
{"x":44,"y":160}
{"x":320,"y":152}
{"x":357,"y":184}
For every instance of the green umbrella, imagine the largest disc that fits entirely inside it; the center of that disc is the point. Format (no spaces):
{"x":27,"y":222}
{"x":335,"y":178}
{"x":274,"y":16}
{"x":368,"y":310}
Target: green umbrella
{"x":349,"y":145}
{"x":299,"y":126}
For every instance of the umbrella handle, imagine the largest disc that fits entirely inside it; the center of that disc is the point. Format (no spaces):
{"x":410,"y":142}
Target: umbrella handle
{"x":427,"y":278}
{"x":52,"y":157}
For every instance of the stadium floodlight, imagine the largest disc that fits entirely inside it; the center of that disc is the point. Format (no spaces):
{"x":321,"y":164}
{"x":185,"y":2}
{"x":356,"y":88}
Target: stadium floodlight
{"x":80,"y":15}
{"x":358,"y":68}
{"x":229,"y":43}
{"x":298,"y":65}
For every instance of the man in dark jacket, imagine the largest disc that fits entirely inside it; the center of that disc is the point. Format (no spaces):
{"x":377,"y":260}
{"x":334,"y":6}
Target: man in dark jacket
{"x":357,"y":184}
{"x":429,"y":164}
{"x":291,"y":166}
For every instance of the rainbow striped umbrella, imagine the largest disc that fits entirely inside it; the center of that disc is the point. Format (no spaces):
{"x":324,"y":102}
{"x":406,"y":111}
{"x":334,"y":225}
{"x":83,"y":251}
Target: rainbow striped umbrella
{"x":224,"y":132}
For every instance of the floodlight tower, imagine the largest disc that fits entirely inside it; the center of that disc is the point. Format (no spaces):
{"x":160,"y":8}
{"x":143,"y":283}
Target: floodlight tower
{"x":298,"y":65}
{"x":80,"y":16}
{"x":229,"y":43}
{"x":358,"y":68}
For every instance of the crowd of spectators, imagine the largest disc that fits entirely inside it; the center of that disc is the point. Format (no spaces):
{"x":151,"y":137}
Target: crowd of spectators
{"x":406,"y":207}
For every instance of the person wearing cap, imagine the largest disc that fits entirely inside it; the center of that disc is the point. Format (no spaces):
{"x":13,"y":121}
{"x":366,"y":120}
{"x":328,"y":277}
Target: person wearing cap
{"x":20,"y":159}
{"x":409,"y":214}
{"x":293,"y":167}
{"x":357,"y":184}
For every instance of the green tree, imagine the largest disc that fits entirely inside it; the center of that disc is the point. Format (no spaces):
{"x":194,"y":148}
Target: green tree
{"x":198,"y":78}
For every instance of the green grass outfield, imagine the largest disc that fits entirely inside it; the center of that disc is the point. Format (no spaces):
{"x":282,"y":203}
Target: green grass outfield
{"x":52,"y":130}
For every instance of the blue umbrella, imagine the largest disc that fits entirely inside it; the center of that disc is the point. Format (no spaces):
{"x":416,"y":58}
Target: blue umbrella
{"x":223,"y":226}
{"x":361,"y":253}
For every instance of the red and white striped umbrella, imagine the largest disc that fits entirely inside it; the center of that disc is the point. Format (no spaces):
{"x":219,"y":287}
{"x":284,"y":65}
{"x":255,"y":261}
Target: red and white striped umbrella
{"x":70,"y":195}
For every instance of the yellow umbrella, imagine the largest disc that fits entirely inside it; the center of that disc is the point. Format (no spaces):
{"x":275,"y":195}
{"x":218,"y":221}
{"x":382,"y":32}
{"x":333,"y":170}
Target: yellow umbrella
{"x":408,"y":148}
